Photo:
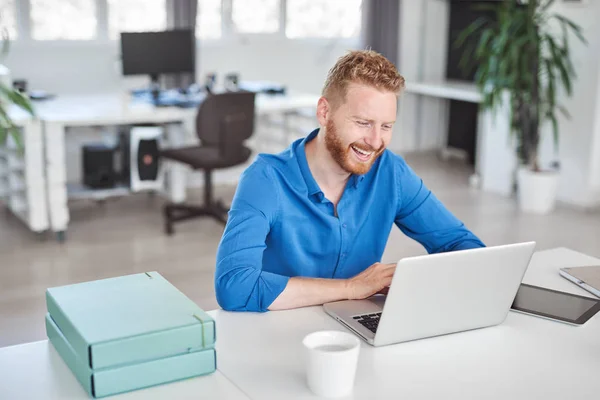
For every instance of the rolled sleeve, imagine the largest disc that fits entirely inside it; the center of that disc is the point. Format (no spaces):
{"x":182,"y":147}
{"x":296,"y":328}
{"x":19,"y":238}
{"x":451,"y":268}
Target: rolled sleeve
{"x":241,"y":284}
{"x":422,"y":217}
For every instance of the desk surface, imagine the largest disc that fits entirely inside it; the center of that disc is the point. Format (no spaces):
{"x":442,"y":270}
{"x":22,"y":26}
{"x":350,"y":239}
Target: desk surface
{"x":113,"y":108}
{"x":36,"y":371}
{"x":524,"y":358}
{"x":447,"y":89}
{"x":260,"y":356}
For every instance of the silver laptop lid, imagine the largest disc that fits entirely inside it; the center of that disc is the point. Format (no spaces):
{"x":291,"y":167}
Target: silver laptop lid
{"x":451,"y":292}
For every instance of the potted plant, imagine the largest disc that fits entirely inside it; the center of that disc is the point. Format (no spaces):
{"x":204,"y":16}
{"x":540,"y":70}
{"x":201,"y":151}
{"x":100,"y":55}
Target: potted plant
{"x":8,"y":97}
{"x":524,"y":51}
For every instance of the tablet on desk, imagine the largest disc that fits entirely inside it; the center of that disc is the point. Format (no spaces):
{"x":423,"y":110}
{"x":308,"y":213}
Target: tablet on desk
{"x":586,"y":277}
{"x":555,"y":305}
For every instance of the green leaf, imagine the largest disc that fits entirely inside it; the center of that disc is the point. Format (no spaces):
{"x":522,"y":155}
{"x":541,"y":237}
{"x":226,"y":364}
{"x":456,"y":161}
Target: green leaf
{"x":7,"y":127}
{"x":550,"y":98}
{"x":574,"y":27}
{"x":482,"y":47}
{"x":467,"y":62}
{"x":555,"y":134}
{"x":545,"y":7}
{"x":469,"y":31}
{"x":564,"y":111}
{"x":558,"y":62}
{"x":18,"y":99}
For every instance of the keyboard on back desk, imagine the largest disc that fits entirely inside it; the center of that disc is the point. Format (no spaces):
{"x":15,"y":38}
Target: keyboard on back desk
{"x":369,"y":321}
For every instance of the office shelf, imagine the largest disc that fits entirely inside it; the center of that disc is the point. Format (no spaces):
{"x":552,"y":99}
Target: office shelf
{"x":22,"y":181}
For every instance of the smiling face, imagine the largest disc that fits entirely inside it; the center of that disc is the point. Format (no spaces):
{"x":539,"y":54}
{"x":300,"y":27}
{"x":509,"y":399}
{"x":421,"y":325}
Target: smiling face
{"x":358,"y":130}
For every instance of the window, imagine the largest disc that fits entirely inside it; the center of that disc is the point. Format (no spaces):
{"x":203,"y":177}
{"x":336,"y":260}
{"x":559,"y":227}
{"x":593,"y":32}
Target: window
{"x":136,"y":16}
{"x":255,"y":16}
{"x":323,"y":18}
{"x":208,"y":20}
{"x":78,"y":19}
{"x":8,"y":21}
{"x":63,"y":19}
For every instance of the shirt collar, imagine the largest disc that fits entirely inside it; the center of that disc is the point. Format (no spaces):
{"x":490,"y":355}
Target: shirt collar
{"x":311,"y":184}
{"x":357,"y":179}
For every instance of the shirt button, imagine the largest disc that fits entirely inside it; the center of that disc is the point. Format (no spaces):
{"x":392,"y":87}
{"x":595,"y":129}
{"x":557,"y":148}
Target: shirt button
{"x":343,"y":255}
{"x":343,"y":225}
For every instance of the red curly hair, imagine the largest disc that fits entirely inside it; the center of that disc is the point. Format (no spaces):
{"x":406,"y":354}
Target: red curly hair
{"x":361,"y":66}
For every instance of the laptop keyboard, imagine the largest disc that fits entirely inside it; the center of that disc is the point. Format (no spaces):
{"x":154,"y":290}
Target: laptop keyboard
{"x":369,"y":321}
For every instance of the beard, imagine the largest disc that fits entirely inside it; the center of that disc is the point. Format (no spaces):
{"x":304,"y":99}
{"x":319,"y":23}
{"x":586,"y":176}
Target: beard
{"x":342,"y":154}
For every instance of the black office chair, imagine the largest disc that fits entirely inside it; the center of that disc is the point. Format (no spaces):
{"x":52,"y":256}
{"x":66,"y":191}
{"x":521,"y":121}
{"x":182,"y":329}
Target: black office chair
{"x":223,"y":123}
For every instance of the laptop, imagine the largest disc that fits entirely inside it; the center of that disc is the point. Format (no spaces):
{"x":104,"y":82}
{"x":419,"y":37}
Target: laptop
{"x":438,"y":294}
{"x":586,"y":277}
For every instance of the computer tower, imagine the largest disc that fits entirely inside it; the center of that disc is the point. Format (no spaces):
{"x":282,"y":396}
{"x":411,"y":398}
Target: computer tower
{"x":141,"y":163}
{"x":98,"y":166}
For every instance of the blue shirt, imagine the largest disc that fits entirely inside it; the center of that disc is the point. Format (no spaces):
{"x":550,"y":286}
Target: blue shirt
{"x":281,"y":225}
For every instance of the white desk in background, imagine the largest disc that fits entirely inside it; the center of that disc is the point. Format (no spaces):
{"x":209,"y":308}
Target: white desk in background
{"x":494,"y":155}
{"x":261,"y":356}
{"x":453,"y":90}
{"x":66,"y":112}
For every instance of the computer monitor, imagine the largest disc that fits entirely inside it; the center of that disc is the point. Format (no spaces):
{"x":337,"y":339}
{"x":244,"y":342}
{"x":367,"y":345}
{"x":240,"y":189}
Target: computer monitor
{"x":156,"y":53}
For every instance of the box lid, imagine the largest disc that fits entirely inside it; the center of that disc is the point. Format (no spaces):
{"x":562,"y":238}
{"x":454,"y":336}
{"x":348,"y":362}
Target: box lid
{"x":129,"y":319}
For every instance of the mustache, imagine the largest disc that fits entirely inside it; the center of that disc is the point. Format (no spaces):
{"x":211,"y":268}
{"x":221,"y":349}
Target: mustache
{"x":366,"y":147}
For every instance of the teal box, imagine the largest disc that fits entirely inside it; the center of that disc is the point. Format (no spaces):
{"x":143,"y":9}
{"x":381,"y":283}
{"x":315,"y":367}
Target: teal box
{"x":109,"y":381}
{"x":128,"y":319}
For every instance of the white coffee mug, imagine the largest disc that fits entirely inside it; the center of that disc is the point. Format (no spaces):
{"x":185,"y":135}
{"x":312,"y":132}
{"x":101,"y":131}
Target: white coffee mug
{"x":332,"y":357}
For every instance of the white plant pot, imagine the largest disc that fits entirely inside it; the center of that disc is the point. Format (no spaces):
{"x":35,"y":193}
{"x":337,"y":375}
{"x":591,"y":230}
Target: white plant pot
{"x":537,"y":190}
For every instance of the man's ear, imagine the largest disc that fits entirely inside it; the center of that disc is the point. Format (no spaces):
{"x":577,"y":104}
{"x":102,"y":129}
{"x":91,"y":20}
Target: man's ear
{"x":323,"y":111}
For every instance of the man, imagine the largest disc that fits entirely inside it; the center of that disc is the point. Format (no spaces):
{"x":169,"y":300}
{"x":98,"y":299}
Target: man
{"x":309,"y":225}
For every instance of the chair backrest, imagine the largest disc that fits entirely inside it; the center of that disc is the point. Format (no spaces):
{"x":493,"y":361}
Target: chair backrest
{"x":226,"y":120}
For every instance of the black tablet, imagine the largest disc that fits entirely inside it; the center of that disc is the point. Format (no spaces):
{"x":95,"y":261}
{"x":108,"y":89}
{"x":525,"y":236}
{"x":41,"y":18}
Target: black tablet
{"x":552,"y":304}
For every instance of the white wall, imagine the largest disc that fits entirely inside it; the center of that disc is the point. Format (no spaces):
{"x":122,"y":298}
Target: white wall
{"x":595,"y":170}
{"x":580,"y":136}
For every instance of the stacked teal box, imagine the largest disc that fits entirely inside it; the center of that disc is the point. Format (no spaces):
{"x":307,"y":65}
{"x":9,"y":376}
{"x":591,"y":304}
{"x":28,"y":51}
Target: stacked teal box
{"x":126,"y":333}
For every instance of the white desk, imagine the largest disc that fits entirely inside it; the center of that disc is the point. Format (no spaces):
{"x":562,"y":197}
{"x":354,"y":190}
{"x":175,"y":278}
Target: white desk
{"x":65,"y":112}
{"x":261,"y":356}
{"x":454,"y":90}
{"x":36,"y":371}
{"x":524,"y":358}
{"x":495,"y":158}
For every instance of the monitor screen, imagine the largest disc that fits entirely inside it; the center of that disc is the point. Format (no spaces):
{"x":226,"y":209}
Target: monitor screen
{"x":155,"y":53}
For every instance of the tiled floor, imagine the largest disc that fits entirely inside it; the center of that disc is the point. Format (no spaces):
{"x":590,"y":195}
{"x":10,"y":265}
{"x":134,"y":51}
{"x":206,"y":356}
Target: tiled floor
{"x":125,"y":236}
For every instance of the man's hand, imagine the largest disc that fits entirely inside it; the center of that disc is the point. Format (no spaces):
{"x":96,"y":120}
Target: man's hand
{"x":377,"y":278}
{"x":303,"y":292}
